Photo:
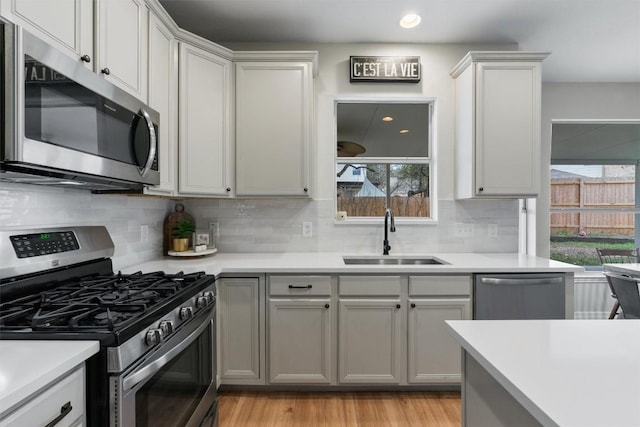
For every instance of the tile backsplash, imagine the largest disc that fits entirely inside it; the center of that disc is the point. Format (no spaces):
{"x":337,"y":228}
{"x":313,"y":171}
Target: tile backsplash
{"x":255,"y":225}
{"x":29,"y":206}
{"x":275,"y":225}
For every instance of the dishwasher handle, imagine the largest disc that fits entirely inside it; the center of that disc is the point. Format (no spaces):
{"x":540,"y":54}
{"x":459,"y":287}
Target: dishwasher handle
{"x":522,"y":281}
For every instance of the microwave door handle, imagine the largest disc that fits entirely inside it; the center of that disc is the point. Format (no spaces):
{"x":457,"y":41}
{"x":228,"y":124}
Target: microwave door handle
{"x":153,"y":142}
{"x":153,"y":367}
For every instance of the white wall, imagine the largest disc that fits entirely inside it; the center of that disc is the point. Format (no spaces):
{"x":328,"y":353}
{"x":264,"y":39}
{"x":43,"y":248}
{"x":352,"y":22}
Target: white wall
{"x":577,"y":101}
{"x":273,"y":225}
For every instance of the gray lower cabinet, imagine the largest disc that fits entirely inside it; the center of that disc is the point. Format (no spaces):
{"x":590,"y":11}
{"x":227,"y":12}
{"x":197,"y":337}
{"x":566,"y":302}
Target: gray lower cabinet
{"x":300,"y":341}
{"x":370,"y":332}
{"x":433,"y":354}
{"x":241,"y":329}
{"x":301,"y":329}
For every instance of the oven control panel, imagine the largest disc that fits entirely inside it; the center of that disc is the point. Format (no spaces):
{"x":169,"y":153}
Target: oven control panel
{"x":38,"y":244}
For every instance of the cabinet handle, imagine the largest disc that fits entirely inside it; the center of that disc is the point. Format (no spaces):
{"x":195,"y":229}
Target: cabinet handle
{"x":85,"y":58}
{"x":413,"y":305}
{"x":481,"y":189}
{"x":300,"y":287}
{"x":398,"y":306}
{"x":105,"y":71}
{"x":326,"y":306}
{"x":228,"y":189}
{"x":306,"y":190}
{"x":64,"y":410}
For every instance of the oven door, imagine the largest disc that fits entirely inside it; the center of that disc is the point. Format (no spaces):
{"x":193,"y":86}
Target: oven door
{"x":174,"y":386}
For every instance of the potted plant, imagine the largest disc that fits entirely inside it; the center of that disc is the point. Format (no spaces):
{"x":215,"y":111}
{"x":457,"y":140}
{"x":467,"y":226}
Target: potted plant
{"x":181,"y":234}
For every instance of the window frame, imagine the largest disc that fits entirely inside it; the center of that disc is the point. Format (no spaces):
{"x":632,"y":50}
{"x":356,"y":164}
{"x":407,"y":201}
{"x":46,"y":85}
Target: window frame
{"x":430,"y":160}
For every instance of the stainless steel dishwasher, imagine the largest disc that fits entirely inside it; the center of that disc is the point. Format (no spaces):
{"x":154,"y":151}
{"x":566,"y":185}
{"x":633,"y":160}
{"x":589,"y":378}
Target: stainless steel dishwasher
{"x":519,"y":296}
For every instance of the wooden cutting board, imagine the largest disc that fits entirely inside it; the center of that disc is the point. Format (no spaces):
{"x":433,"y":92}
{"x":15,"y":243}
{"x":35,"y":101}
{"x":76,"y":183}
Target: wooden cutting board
{"x":171,"y":221}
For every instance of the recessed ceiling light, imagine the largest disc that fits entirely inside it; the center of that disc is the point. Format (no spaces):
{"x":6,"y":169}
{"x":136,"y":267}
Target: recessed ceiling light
{"x":387,"y":119}
{"x":404,"y":131}
{"x":411,"y":20}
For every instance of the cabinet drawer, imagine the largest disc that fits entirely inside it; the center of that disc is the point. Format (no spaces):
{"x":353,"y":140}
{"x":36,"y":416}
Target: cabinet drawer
{"x":299,"y":285}
{"x":46,"y":406}
{"x":439,"y":285}
{"x":370,"y":285}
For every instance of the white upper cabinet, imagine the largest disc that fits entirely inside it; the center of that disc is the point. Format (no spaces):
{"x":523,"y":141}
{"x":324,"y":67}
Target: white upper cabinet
{"x":122,"y":37}
{"x":66,"y":24}
{"x":117,"y":29}
{"x":205,"y":106}
{"x":163,"y":97}
{"x":497,"y":142}
{"x":274,"y":98}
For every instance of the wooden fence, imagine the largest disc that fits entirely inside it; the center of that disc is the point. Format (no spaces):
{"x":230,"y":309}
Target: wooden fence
{"x":592,"y":193}
{"x":375,"y":206}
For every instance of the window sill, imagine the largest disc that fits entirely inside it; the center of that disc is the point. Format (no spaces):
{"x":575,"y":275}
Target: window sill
{"x":379,"y":221}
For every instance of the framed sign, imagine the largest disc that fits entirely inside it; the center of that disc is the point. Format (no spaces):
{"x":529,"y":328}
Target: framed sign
{"x":385,"y":69}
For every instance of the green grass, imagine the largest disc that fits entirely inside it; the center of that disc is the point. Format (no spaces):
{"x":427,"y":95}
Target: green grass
{"x":582,"y":252}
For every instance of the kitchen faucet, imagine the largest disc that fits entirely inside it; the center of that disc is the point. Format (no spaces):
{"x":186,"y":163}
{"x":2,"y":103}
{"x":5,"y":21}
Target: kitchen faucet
{"x":385,"y":245}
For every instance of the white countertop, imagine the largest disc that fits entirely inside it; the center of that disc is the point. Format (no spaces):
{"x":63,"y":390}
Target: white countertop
{"x":28,"y":366}
{"x":632,"y":269}
{"x":329,"y":262}
{"x":567,"y":373}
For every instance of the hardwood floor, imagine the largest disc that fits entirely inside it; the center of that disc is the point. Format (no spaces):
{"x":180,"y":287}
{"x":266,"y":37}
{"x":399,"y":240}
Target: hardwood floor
{"x":343,"y":409}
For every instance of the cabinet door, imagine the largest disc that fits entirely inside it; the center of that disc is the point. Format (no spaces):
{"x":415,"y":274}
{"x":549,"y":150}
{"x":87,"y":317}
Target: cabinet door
{"x":370,"y":341}
{"x":205,"y":123}
{"x":433,"y":354}
{"x":163,"y":97}
{"x":66,"y":24}
{"x":507,"y":128}
{"x":300,"y":344}
{"x":122,"y":44}
{"x":68,"y":393}
{"x":241,"y":331}
{"x":273,"y":128}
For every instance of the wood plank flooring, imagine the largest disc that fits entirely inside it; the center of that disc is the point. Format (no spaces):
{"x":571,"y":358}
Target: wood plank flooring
{"x":339,"y":409}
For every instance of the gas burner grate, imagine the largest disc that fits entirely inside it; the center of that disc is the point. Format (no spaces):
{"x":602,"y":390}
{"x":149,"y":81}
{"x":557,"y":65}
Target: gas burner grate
{"x":98,"y":303}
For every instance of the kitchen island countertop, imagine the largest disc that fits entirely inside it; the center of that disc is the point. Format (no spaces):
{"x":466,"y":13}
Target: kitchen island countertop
{"x":563,"y":372}
{"x":27,"y":366}
{"x":330,"y":262}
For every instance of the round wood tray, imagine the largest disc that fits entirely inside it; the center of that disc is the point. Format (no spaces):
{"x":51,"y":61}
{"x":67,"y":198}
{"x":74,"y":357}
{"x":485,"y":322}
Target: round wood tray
{"x":190,"y":253}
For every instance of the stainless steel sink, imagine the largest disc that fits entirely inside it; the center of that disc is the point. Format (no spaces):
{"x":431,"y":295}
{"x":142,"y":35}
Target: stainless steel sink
{"x":391,"y":260}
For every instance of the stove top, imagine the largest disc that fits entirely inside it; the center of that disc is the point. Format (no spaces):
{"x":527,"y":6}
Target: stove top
{"x":100,"y":303}
{"x":59,"y":284}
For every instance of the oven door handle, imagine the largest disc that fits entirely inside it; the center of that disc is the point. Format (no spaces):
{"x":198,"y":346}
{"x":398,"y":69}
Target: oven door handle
{"x":150,"y":369}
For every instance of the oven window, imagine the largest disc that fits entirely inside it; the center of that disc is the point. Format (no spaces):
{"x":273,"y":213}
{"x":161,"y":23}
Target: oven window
{"x":172,"y":395}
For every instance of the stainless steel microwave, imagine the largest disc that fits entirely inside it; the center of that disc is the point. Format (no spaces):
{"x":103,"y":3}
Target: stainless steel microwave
{"x":63,"y":125}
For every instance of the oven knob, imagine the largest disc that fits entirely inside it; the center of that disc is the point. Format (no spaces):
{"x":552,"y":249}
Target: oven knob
{"x":210,"y":296}
{"x":201,"y":302}
{"x":153,"y":337}
{"x":186,"y":313}
{"x":166,"y":326}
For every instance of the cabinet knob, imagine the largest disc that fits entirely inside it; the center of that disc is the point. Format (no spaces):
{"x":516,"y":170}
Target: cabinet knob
{"x":398,"y":306}
{"x":85,"y":58}
{"x":326,"y":306}
{"x":481,"y":189}
{"x":306,"y":190}
{"x":413,"y":305}
{"x":105,"y":71}
{"x":228,"y":189}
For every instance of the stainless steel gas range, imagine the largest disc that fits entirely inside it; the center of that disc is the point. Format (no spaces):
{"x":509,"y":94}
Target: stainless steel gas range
{"x":156,"y":364}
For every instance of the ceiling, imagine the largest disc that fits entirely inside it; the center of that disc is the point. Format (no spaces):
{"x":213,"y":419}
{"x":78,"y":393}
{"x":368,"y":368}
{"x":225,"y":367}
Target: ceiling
{"x":590,"y":40}
{"x":363,"y":124}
